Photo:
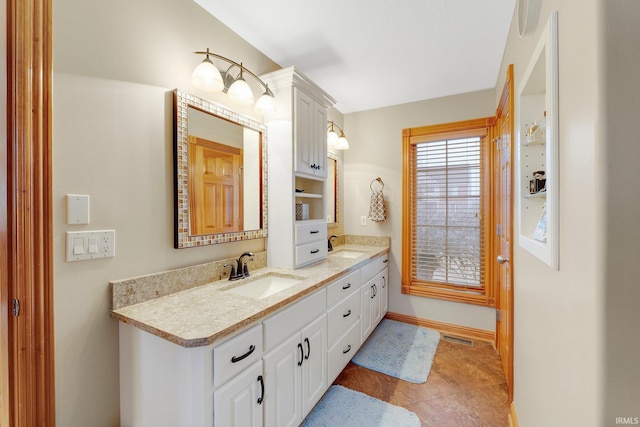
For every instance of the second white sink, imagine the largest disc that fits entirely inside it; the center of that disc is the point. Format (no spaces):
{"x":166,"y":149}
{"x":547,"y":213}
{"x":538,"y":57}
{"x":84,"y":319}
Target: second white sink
{"x":347,"y":254}
{"x":263,"y":286}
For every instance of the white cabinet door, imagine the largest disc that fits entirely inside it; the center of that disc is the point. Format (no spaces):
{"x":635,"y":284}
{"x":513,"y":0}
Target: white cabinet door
{"x":314,"y":365}
{"x":239,"y":402}
{"x":283,"y":378}
{"x":366,"y":324}
{"x":384,"y":293}
{"x":310,"y":140}
{"x":295,"y":375}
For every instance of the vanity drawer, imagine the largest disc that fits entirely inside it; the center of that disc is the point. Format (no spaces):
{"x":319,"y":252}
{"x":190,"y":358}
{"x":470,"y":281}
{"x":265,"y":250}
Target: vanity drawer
{"x":343,"y":351}
{"x":343,"y":316}
{"x":236,"y":354}
{"x":283,"y":324}
{"x":369,"y":271}
{"x":311,"y":232}
{"x":311,"y":252}
{"x":343,"y":287}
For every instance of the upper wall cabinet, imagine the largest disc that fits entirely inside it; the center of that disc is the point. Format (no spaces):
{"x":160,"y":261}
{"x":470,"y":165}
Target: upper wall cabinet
{"x":297,"y":170}
{"x":538,"y":149}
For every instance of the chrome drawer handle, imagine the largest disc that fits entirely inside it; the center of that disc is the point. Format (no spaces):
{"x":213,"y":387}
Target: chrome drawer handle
{"x":236,"y":359}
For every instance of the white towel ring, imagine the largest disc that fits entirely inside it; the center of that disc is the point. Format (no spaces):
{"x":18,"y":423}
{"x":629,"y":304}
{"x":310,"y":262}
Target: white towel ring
{"x":379,"y":180}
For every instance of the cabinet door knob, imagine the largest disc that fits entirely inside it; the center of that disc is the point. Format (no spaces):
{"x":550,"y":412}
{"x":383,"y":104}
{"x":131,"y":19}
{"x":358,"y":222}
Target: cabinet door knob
{"x":501,"y":259}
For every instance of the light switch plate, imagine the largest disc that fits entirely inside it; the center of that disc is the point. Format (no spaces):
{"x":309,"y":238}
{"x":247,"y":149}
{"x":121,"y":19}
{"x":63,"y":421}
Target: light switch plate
{"x":77,"y":209}
{"x":90,"y":245}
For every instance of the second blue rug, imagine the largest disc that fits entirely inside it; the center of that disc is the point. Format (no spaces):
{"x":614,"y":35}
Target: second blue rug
{"x":341,"y":407}
{"x":400,"y":350}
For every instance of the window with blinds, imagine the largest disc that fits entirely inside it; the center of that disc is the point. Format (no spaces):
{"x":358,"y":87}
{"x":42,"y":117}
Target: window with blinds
{"x":446,"y":211}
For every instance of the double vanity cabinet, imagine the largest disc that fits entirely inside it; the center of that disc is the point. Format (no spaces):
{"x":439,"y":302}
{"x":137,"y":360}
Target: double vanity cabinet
{"x":274,"y":367}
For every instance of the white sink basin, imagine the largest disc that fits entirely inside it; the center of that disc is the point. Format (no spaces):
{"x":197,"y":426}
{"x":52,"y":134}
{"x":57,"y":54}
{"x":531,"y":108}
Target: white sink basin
{"x":346,"y":254}
{"x":263,"y":286}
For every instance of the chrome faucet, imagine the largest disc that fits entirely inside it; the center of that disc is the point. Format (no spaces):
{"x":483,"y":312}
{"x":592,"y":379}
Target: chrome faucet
{"x":329,"y":242}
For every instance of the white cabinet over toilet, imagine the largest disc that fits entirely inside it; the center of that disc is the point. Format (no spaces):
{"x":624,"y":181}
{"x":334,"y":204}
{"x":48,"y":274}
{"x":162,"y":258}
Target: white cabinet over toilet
{"x":297,"y":169}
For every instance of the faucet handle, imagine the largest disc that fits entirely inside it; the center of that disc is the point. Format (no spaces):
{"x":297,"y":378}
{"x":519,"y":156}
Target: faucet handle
{"x":245,"y":268}
{"x":232,"y":273}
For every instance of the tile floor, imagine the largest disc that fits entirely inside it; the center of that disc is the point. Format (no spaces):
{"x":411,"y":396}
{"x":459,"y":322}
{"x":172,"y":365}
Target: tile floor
{"x":466,"y":387}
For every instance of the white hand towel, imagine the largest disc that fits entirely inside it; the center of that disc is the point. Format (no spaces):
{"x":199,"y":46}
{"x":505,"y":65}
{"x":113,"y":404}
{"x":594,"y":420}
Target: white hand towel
{"x":377,"y":211}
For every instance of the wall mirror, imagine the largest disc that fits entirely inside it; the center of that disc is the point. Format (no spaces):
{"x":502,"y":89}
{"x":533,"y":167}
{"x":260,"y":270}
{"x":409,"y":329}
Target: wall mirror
{"x":220,"y":173}
{"x":333,"y":188}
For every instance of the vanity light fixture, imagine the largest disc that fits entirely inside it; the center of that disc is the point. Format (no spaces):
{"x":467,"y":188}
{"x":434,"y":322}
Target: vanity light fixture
{"x":335,"y":141}
{"x":207,"y":77}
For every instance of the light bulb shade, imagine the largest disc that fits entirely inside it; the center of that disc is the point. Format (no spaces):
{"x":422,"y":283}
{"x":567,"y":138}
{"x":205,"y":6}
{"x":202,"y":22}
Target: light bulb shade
{"x":240,"y":92}
{"x":266,"y":104}
{"x":207,"y":77}
{"x":332,"y":138}
{"x":342,"y":143}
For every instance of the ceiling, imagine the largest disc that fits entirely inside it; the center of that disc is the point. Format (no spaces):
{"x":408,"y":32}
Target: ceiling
{"x":375,"y":53}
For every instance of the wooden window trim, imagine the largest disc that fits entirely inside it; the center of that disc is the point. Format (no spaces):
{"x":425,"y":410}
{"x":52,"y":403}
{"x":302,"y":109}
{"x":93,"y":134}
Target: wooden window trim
{"x":475,"y":127}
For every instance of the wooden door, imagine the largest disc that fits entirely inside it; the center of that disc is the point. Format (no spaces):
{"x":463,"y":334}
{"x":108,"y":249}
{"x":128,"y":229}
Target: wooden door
{"x":504,"y":321}
{"x":215,"y":183}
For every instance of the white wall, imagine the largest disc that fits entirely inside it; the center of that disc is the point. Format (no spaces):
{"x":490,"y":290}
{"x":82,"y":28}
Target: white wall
{"x":576,"y":344}
{"x":115,"y":64}
{"x":619,"y":151}
{"x":375,"y":137}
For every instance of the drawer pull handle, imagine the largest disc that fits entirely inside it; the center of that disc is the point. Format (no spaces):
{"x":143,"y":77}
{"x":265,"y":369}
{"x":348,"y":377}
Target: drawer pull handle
{"x":306,"y":340}
{"x":347,"y":350}
{"x":301,"y":354}
{"x":347,"y":314}
{"x":315,"y":251}
{"x":385,"y":261}
{"x":261,"y":381}
{"x":236,"y":359}
{"x":314,"y":231}
{"x":374,"y":291}
{"x":347,"y":286}
{"x":384,"y":283}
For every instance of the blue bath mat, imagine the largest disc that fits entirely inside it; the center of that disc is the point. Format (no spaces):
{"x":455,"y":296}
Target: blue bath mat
{"x":400,"y":350}
{"x":341,"y":407}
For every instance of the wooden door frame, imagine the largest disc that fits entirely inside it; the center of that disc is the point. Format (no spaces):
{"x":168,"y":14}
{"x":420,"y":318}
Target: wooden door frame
{"x":26,"y":262}
{"x":507,"y":100}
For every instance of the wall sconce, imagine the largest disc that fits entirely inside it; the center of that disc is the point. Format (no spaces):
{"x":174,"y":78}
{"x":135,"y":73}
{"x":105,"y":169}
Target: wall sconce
{"x":207,"y":77}
{"x":335,"y":141}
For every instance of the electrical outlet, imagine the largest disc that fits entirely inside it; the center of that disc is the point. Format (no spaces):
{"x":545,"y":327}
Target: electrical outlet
{"x":84,"y":245}
{"x":363,"y":220}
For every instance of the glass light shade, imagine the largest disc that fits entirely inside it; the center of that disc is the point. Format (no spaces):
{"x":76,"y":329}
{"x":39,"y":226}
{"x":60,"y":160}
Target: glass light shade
{"x":332,"y":138}
{"x":207,"y":77}
{"x":240,"y":92}
{"x":342,"y":143}
{"x":265,"y":104}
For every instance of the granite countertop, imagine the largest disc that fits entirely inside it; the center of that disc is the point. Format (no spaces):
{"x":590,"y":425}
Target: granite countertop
{"x":205,"y":314}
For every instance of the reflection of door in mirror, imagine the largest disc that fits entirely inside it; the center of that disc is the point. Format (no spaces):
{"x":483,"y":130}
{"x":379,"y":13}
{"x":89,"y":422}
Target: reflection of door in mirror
{"x":215,"y":183}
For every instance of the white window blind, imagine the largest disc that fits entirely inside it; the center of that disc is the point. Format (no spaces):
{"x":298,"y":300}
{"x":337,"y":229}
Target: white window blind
{"x":446,"y":217}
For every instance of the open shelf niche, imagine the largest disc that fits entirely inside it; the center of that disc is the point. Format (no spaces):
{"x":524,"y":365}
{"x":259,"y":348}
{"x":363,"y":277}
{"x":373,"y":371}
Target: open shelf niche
{"x":537,"y":149}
